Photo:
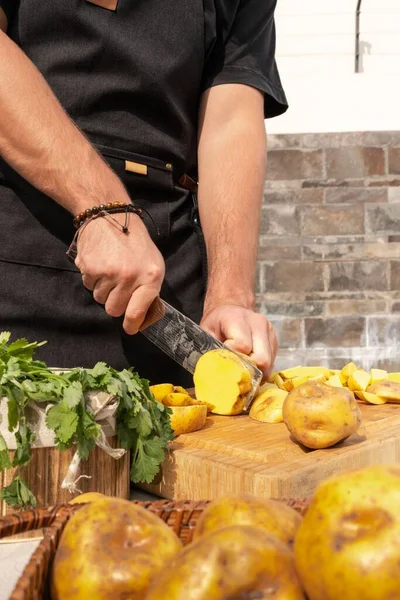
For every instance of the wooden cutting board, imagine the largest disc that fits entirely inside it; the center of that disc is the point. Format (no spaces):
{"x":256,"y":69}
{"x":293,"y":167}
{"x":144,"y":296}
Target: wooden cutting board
{"x":233,"y":455}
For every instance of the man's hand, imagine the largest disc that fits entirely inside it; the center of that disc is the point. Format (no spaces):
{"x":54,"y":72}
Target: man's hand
{"x":245,"y":331}
{"x":125,"y":271}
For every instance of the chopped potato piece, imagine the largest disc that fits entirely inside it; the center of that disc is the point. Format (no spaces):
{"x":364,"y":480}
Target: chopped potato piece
{"x":267,"y":407}
{"x":370,"y":398}
{"x":304,"y":372}
{"x":335,"y":381}
{"x":180,"y":390}
{"x":378,"y":375}
{"x":386,"y":389}
{"x":347,"y":371}
{"x":394,"y":377}
{"x":160,"y":390}
{"x":358,"y":380}
{"x":186,"y":419}
{"x":177,"y":400}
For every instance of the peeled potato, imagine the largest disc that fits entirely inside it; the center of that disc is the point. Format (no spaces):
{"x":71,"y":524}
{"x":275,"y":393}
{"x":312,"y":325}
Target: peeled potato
{"x":304,"y":372}
{"x":335,"y":381}
{"x":370,"y":398}
{"x":160,"y":390}
{"x":273,"y":516}
{"x":358,"y":380}
{"x":177,"y":399}
{"x":238,"y":562}
{"x":186,"y":419}
{"x":378,"y":375}
{"x":178,"y":389}
{"x":394,"y":377}
{"x":221,"y":379}
{"x":386,"y":389}
{"x":319,"y":415}
{"x":267,"y":407}
{"x":347,"y":371}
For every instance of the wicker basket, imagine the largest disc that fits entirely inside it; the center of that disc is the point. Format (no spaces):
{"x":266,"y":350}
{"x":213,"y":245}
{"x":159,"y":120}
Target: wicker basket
{"x":33,"y":583}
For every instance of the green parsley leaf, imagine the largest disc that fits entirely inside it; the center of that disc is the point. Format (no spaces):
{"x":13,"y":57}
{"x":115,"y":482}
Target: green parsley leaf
{"x":73,"y":394}
{"x":13,"y":413}
{"x":5,"y":462}
{"x":63,"y":421}
{"x":141,"y":422}
{"x":147,"y":459}
{"x":25,"y":438}
{"x":18,"y":494}
{"x":4,"y":337}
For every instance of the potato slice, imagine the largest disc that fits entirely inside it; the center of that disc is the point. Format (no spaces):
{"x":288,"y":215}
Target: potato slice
{"x":370,"y":398}
{"x":386,"y":389}
{"x":304,"y":372}
{"x":334,"y":381}
{"x":267,"y":407}
{"x":186,"y":419}
{"x":221,"y":379}
{"x":394,"y":377}
{"x":177,"y":400}
{"x":358,"y":380}
{"x":267,"y":386}
{"x":378,"y":375}
{"x":180,"y":390}
{"x":347,"y":371}
{"x":160,"y":390}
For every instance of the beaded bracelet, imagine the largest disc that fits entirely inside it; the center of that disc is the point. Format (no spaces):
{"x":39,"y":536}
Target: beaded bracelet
{"x":111,"y":207}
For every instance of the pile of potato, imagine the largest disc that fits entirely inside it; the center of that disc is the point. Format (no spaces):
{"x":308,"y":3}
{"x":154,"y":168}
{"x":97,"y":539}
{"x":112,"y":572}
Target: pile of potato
{"x":346,"y":546}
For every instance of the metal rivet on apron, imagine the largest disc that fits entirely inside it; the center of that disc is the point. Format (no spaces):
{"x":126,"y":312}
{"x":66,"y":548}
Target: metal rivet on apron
{"x":168,"y":166}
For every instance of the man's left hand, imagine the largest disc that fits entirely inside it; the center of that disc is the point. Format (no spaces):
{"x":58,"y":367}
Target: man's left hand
{"x":245,"y":331}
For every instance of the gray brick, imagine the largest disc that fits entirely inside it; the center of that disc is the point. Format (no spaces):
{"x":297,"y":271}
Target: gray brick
{"x":293,"y":196}
{"x":355,"y":195}
{"x":385,"y":332}
{"x":280,"y":220}
{"x":332,"y":220}
{"x":335,"y":332}
{"x":327,"y":252}
{"x":395,"y":275}
{"x":356,"y":276}
{"x":383,"y":218}
{"x":394,"y":160}
{"x":294,"y":164}
{"x":355,"y":161}
{"x":294,"y":309}
{"x":289,"y":332}
{"x":293,"y":276}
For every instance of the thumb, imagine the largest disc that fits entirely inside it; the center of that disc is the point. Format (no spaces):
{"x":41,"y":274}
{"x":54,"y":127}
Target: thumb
{"x":238,"y":336}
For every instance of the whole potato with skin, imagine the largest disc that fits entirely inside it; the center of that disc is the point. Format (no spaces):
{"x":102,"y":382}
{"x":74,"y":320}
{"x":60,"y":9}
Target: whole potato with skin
{"x":319,"y":415}
{"x":348,"y":544}
{"x":275,"y":517}
{"x":111,"y":549}
{"x":237,"y":563}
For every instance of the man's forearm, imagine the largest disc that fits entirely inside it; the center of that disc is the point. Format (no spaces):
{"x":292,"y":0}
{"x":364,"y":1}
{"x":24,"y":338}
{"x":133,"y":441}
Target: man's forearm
{"x":232,"y":155}
{"x":39,"y":140}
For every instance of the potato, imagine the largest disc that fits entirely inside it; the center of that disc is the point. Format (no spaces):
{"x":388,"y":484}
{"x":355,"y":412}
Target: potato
{"x":378,"y":375}
{"x":236,"y":562}
{"x":222,"y":380}
{"x":88,"y":497}
{"x":319,"y":415}
{"x":347,"y":545}
{"x":177,"y":399}
{"x":178,"y":389}
{"x":160,"y":390}
{"x":267,"y":386}
{"x":335,"y":381}
{"x":186,"y":419}
{"x":267,"y":407}
{"x":275,"y":517}
{"x":390,"y":390}
{"x":347,"y":371}
{"x":370,"y":398}
{"x":358,"y":380}
{"x":277,"y":380}
{"x":111,"y":549}
{"x":394,"y":377}
{"x":305,"y":372}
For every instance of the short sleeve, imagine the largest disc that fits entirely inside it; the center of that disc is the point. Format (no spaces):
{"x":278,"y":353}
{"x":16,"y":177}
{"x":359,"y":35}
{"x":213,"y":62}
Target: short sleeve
{"x":244,"y":50}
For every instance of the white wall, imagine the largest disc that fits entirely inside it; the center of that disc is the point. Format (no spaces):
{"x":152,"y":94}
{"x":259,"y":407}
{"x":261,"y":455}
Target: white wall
{"x":316,"y":60}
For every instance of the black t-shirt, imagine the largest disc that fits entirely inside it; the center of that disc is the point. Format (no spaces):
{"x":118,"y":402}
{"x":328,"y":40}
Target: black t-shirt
{"x":240,"y":47}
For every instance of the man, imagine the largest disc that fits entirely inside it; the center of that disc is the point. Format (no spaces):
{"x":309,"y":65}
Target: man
{"x":133,"y":101}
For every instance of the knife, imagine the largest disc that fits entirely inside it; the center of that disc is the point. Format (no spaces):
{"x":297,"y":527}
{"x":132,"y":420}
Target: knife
{"x":185,"y":342}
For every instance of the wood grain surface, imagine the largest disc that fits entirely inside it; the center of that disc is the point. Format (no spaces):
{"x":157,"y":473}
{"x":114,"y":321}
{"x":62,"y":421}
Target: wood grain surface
{"x":240,"y":455}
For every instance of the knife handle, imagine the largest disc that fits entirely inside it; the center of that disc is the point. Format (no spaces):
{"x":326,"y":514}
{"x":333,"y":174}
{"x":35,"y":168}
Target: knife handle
{"x":155,"y":313}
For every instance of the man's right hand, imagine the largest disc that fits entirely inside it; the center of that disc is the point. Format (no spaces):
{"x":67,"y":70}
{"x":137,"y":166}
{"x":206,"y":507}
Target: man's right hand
{"x":124,"y":271}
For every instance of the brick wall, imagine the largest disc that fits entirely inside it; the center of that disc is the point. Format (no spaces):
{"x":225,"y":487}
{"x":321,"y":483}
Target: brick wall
{"x":329,"y":257}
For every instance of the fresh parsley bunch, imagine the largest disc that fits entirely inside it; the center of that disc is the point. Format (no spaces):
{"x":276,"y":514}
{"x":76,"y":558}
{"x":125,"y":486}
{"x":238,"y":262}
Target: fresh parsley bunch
{"x":143,"y":424}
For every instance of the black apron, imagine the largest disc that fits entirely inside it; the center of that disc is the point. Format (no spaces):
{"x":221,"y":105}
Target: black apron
{"x":130,"y":79}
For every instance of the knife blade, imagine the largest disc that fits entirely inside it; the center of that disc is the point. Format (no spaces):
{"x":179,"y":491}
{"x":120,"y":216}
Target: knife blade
{"x":185,"y":342}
